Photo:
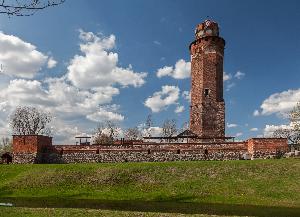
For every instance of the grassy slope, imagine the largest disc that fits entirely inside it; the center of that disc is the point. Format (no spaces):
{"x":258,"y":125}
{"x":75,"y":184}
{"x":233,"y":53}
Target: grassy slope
{"x":259,"y":182}
{"x":30,"y":212}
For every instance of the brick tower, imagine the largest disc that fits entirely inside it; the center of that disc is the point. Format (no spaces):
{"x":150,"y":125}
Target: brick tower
{"x":207,"y":112}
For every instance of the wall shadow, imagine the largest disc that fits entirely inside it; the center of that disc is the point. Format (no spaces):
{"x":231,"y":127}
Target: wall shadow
{"x":151,"y":206}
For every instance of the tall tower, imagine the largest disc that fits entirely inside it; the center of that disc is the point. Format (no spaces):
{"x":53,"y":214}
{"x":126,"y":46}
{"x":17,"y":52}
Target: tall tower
{"x":207,"y":112}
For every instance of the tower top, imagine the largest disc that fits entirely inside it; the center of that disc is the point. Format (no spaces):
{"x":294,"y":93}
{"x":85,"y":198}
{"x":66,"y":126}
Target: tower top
{"x":207,"y":28}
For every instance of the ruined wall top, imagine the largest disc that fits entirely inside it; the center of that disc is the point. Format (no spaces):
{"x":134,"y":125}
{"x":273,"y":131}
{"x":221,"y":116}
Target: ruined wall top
{"x":207,"y":28}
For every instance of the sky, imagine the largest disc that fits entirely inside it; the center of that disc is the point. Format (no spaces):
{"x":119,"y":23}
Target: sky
{"x":88,"y":61}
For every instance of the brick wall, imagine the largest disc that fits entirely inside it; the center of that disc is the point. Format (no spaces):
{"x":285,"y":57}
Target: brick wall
{"x":267,"y":147}
{"x":28,"y":149}
{"x":39,"y":149}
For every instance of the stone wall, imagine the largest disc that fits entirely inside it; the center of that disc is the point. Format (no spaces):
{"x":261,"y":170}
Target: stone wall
{"x":39,"y":149}
{"x":141,"y":156}
{"x":263,"y":148}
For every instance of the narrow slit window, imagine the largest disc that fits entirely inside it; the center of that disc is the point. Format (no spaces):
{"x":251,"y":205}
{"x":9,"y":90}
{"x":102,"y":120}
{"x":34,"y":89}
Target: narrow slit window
{"x":206,"y":92}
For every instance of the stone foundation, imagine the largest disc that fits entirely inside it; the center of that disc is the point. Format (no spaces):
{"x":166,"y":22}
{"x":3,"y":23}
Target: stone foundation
{"x":39,"y":149}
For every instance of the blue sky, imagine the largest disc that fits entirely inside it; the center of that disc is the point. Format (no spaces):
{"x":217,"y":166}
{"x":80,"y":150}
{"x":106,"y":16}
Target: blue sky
{"x":138,"y":38}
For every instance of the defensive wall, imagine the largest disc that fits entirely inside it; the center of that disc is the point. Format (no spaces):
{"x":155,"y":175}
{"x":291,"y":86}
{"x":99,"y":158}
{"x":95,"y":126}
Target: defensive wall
{"x":39,"y":149}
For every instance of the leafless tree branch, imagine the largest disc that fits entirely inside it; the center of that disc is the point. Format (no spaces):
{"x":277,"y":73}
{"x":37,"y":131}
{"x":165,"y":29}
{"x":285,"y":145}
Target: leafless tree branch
{"x":30,"y":121}
{"x":26,"y":7}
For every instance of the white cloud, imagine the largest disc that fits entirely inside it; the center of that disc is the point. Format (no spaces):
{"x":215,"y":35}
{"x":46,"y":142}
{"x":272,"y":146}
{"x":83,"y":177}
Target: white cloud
{"x":279,"y":103}
{"x":231,"y":125}
{"x":103,"y":115}
{"x":239,"y":75}
{"x":75,"y":107}
{"x":66,"y":102}
{"x":165,"y":71}
{"x":19,"y":58}
{"x":269,"y":129}
{"x":226,"y":77}
{"x":256,"y":113}
{"x":162,"y":99}
{"x":238,"y":134}
{"x":153,"y":131}
{"x":254,"y":129}
{"x":51,"y":63}
{"x":181,"y":70}
{"x":97,"y":66}
{"x":156,"y":42}
{"x":229,"y":86}
{"x":187,"y":95}
{"x":179,"y":109}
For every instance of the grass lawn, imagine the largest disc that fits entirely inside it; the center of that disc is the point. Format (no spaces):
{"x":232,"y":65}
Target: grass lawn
{"x":37,"y":212}
{"x":260,"y":182}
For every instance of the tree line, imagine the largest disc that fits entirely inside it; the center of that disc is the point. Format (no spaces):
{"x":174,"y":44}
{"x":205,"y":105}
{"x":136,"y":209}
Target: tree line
{"x":26,"y":120}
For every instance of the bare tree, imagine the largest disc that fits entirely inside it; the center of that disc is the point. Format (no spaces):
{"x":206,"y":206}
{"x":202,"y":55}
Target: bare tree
{"x":169,"y":128}
{"x":106,"y":133}
{"x":28,"y":120}
{"x":133,"y":133}
{"x":185,"y":126}
{"x":292,"y":133}
{"x":148,"y":125}
{"x":26,"y":7}
{"x":5,"y":145}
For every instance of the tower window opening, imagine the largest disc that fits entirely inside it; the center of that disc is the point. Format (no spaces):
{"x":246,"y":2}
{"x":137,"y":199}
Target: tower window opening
{"x":206,"y":92}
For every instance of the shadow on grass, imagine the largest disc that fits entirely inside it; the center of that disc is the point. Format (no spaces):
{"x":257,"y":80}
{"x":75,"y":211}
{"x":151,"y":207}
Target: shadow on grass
{"x":151,"y":206}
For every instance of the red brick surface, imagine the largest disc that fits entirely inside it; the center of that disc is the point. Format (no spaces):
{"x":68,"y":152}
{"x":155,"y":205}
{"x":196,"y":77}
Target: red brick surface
{"x":267,"y":145}
{"x":207,"y":112}
{"x":31,"y":143}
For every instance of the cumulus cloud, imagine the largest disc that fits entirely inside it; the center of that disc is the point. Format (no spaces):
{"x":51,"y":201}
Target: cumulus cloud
{"x":270,"y":129}
{"x":181,"y":70}
{"x":153,"y":131}
{"x":64,"y":101}
{"x":103,"y":115}
{"x":279,"y":103}
{"x":187,"y":95}
{"x":231,"y":125}
{"x":254,"y":129}
{"x":179,"y":109}
{"x":162,"y":99}
{"x":51,"y":63}
{"x":256,"y":113}
{"x":226,"y":77}
{"x":19,"y":58}
{"x":98,"y":65}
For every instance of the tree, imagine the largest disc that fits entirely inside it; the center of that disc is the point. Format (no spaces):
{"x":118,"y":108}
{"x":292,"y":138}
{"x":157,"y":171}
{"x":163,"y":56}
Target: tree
{"x":169,"y":128}
{"x":28,"y":120}
{"x":5,"y":145}
{"x":147,"y":127}
{"x":26,"y":7}
{"x":106,"y":133}
{"x":293,"y":132}
{"x":132,"y":133}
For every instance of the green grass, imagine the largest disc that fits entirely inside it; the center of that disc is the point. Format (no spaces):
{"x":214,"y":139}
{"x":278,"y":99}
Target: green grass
{"x":259,"y":182}
{"x":50,"y":212}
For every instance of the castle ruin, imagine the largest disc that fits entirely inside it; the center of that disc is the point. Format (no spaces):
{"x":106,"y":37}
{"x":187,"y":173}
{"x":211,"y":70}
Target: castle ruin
{"x":204,"y":141}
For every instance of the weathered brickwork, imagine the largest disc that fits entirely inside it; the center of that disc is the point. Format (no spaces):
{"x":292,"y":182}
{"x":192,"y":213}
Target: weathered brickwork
{"x":267,"y":148}
{"x":207,"y":112}
{"x":39,"y":149}
{"x":27,"y":149}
